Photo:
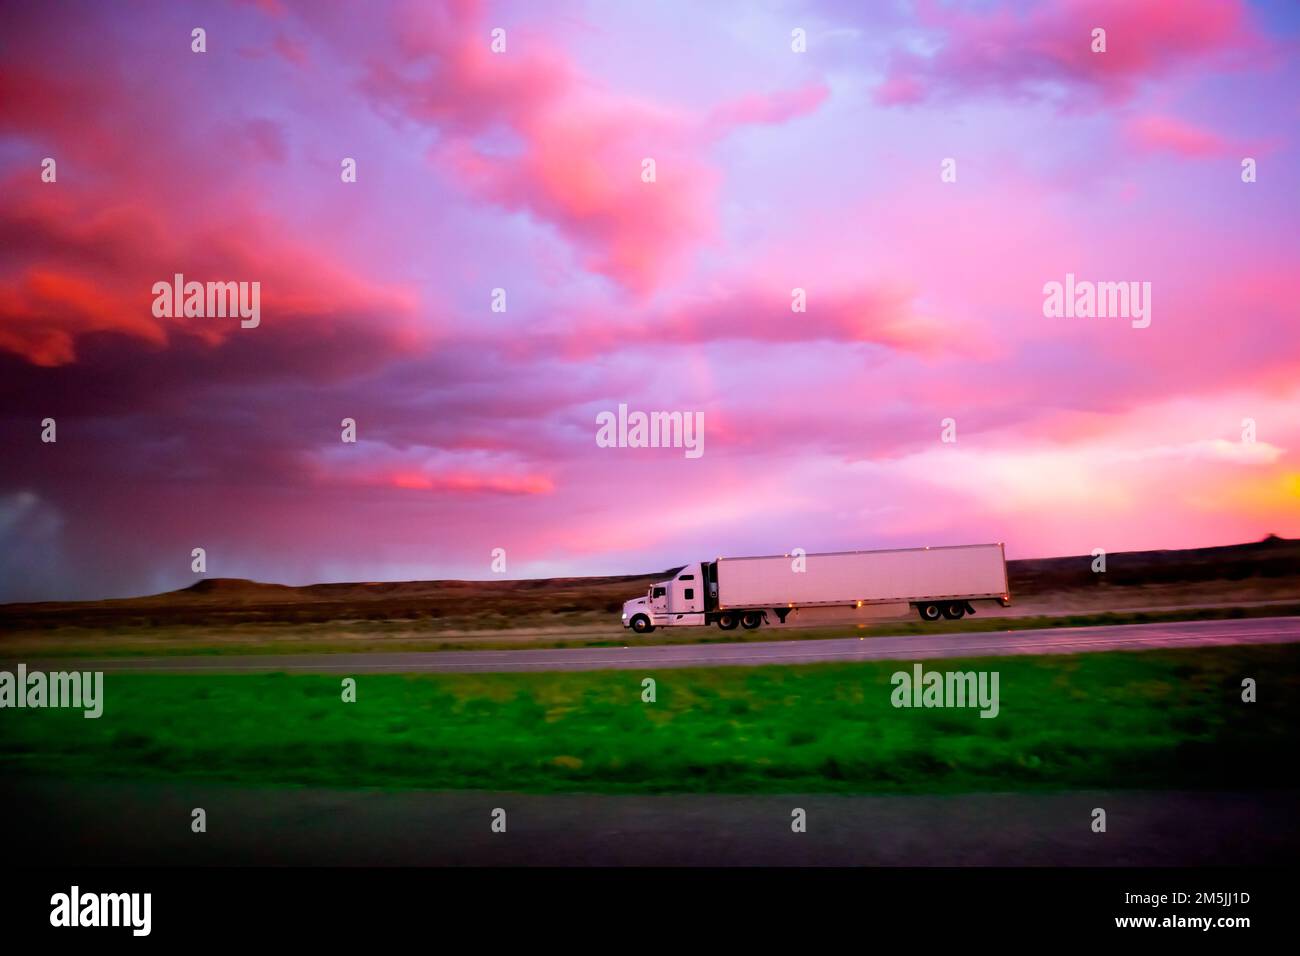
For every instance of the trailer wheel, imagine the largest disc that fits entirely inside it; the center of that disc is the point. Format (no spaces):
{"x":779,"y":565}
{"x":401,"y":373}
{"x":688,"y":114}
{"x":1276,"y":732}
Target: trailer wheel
{"x":751,"y":620}
{"x":641,"y":624}
{"x":929,"y":612}
{"x":954,"y":612}
{"x":727,"y":621}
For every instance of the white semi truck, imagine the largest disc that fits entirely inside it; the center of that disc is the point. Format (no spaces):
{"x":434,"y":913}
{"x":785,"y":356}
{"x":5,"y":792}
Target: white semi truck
{"x":937,"y":582}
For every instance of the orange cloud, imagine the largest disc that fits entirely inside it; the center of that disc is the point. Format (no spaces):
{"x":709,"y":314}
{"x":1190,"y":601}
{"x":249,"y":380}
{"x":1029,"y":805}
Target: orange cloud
{"x":469,"y":483}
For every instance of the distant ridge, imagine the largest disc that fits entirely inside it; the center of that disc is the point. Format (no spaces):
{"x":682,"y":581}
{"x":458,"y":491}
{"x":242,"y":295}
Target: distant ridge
{"x":231,"y":586}
{"x":503,"y":602}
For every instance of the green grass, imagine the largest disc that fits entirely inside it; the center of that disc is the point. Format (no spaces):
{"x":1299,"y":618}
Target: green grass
{"x":1151,"y":719}
{"x":399,"y":636}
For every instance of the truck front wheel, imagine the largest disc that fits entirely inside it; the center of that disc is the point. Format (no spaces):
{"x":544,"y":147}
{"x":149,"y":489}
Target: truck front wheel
{"x":727,"y":621}
{"x":929,"y":612}
{"x":641,"y":624}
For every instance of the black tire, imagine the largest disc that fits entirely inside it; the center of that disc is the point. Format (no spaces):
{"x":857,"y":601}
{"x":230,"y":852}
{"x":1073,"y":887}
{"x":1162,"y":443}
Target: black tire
{"x":641,"y":624}
{"x":727,"y":621}
{"x":929,"y":612}
{"x":954,"y":612}
{"x":751,"y":620}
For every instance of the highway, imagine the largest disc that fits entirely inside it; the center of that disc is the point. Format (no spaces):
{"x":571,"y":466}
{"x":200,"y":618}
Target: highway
{"x":133,"y":823}
{"x":1077,"y":640}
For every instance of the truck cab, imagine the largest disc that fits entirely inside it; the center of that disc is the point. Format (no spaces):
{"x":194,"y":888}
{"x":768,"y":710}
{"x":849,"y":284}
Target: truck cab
{"x":678,"y":600}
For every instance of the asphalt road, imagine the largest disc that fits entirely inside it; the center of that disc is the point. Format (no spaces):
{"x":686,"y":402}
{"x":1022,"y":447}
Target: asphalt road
{"x":1075,"y":640}
{"x":128,"y":823}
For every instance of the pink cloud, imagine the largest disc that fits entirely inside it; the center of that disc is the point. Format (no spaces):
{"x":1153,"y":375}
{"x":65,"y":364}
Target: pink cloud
{"x":1015,"y":55}
{"x":869,"y":313}
{"x":1168,"y":134}
{"x":291,"y":50}
{"x":779,"y":107}
{"x":900,"y":89}
{"x":419,"y":466}
{"x":84,"y":270}
{"x":529,"y":132}
{"x":267,"y":139}
{"x":44,"y":312}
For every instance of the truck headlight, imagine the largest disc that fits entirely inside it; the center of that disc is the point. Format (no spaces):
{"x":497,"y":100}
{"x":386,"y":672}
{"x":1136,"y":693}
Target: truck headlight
{"x":625,"y":615}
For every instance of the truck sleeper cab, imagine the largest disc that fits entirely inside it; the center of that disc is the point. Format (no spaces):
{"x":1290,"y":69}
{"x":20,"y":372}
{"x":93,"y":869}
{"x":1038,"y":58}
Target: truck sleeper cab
{"x":678,"y":601}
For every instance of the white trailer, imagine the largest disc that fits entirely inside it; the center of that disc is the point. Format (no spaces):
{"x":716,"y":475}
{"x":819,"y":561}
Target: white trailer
{"x":937,"y":582}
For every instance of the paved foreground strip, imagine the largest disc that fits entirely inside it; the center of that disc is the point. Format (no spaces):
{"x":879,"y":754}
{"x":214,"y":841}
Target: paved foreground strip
{"x":1073,"y":640}
{"x":131,"y":823}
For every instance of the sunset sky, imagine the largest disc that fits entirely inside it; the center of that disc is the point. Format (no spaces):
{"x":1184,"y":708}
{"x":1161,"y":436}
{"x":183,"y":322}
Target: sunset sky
{"x":522,"y":170}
